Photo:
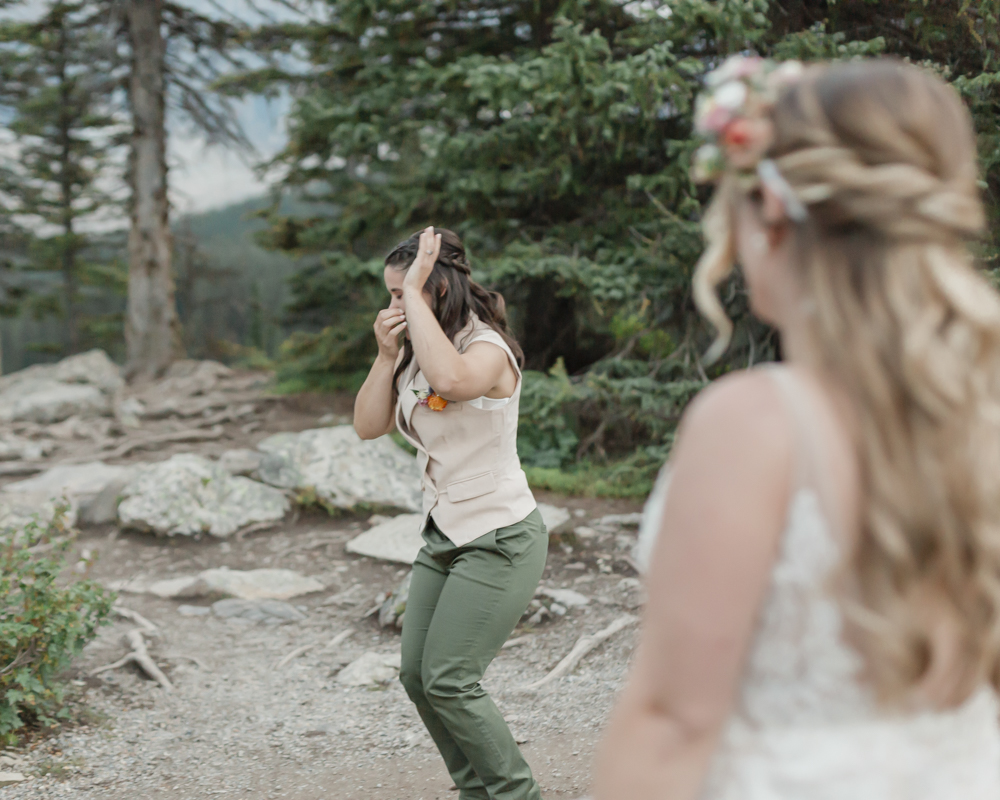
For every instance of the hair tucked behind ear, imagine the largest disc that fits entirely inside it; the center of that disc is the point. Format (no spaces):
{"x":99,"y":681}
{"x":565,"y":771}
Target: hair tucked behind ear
{"x":883,"y":156}
{"x":455,"y":296}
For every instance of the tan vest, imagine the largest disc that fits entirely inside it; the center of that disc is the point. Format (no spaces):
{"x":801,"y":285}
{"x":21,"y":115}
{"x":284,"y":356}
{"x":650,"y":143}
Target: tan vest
{"x":472,"y":478}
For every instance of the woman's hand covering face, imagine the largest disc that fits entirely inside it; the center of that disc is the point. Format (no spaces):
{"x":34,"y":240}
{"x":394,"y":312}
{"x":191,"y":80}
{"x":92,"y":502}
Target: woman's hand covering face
{"x":389,"y":323}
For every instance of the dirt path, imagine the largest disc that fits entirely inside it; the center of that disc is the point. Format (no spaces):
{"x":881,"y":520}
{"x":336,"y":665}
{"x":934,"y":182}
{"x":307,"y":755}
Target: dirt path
{"x":239,"y":727}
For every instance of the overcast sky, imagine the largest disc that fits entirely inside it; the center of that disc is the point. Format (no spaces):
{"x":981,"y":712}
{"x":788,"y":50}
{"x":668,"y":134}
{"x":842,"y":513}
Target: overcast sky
{"x":204,"y":177}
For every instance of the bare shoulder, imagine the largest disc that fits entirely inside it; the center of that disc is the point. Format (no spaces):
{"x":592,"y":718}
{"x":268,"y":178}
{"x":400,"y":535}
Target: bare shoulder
{"x":746,"y":400}
{"x":740,"y":422}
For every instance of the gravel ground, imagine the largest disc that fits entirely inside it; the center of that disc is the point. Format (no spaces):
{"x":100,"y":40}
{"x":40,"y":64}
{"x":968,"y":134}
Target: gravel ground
{"x":238,"y":726}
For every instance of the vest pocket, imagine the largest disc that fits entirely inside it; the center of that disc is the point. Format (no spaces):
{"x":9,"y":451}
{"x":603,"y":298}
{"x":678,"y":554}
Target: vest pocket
{"x":471,"y":487}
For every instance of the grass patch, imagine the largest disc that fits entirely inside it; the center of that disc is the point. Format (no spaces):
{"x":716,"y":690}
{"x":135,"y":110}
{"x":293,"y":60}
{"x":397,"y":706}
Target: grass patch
{"x":630,"y":478}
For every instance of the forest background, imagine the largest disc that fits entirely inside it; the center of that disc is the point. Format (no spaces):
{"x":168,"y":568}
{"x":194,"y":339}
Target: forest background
{"x":553,"y":135}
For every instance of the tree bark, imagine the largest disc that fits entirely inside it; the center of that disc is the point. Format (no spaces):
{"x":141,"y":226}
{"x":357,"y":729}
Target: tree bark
{"x":152,"y":330}
{"x":66,"y":199}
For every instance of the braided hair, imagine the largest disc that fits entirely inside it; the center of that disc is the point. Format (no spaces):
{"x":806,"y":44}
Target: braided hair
{"x":454,"y":295}
{"x":883,"y":155}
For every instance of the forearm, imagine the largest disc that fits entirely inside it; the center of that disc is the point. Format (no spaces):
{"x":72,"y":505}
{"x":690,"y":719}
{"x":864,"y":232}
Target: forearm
{"x":376,"y":401}
{"x":646,"y":756}
{"x":439,"y":360}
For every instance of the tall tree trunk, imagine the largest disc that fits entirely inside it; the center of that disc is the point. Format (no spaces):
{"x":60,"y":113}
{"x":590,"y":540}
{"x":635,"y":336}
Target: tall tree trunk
{"x":66,"y":200}
{"x":152,"y":331}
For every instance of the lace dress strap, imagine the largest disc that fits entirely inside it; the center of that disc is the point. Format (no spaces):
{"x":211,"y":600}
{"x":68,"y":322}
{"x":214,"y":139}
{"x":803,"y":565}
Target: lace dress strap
{"x":812,"y":470}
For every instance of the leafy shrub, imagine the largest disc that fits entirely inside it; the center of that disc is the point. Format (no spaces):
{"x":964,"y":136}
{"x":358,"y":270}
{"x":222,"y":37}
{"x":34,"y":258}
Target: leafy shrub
{"x":628,"y":412}
{"x":44,"y":624}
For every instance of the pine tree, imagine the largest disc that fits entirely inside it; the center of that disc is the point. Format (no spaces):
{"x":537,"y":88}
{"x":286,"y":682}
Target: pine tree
{"x":555,"y":136}
{"x":58,"y":79}
{"x":175,"y":54}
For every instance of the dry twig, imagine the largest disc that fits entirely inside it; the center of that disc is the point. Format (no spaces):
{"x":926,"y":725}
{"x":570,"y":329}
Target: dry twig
{"x":139,"y":655}
{"x":338,"y":639}
{"x":294,"y":654}
{"x":584,"y":646}
{"x":138,"y":618}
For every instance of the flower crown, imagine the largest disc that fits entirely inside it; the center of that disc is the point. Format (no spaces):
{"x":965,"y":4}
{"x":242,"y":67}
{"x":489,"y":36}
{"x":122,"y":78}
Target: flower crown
{"x":733,"y":114}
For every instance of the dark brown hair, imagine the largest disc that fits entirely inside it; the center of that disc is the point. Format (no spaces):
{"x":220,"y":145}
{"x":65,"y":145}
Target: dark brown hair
{"x":454,"y":295}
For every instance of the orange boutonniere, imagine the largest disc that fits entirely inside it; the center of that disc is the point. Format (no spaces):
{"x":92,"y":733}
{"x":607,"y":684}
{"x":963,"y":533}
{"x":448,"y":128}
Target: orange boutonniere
{"x":428,"y":397}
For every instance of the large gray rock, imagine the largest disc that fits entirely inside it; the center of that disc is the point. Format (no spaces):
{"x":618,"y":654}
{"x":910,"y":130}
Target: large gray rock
{"x":47,"y":401}
{"x":254,"y":584}
{"x":188,"y":495}
{"x":343,"y":470}
{"x":91,"y":490}
{"x":92,"y":368}
{"x":82,"y":385}
{"x":397,"y":539}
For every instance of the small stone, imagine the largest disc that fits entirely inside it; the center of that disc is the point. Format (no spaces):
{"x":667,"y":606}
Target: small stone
{"x":558,"y":609}
{"x":240,"y":462}
{"x":270,"y":612}
{"x":580,"y":512}
{"x":576,"y":565}
{"x":554,"y":517}
{"x":371,"y":669}
{"x":254,"y":584}
{"x":393,"y":608}
{"x":11,"y":778}
{"x":397,"y":539}
{"x":620,"y":520}
{"x":193,"y":611}
{"x":564,"y":597}
{"x":585,"y":533}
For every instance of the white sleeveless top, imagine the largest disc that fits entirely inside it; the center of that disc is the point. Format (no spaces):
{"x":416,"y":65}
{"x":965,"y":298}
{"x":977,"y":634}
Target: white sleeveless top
{"x":805,"y":727}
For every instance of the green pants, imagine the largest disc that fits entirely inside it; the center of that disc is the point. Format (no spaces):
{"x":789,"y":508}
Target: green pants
{"x":463,"y":604}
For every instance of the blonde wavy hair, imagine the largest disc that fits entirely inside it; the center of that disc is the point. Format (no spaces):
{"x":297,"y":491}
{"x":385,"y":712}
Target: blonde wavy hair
{"x":882,"y":154}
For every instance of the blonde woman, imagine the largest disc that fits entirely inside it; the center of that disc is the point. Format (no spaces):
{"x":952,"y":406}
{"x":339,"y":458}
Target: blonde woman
{"x":824,"y":595}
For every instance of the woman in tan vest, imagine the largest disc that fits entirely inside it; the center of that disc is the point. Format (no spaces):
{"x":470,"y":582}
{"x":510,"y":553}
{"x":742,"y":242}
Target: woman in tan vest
{"x":452,"y":391}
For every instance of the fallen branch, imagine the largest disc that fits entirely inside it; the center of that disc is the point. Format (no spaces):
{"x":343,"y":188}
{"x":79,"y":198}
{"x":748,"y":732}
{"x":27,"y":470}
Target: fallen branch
{"x":191,"y":435}
{"x":254,"y":528}
{"x":294,"y":654}
{"x":138,"y":618}
{"x":342,"y":597}
{"x":338,"y":639}
{"x":516,"y":642}
{"x":231,"y":414}
{"x":139,"y":655}
{"x":584,"y":646}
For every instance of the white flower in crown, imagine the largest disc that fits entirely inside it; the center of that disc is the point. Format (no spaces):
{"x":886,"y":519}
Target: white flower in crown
{"x":734,"y":68}
{"x":731,"y":95}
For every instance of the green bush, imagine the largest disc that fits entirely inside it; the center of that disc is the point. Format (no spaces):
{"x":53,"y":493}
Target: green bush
{"x":45,"y":623}
{"x":629,"y":410}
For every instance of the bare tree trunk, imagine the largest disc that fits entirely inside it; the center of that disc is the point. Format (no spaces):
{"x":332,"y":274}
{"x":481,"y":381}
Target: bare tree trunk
{"x":152,"y":331}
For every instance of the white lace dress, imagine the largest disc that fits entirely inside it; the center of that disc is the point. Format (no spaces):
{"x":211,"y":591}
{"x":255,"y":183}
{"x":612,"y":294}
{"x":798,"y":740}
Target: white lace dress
{"x":805,"y":728}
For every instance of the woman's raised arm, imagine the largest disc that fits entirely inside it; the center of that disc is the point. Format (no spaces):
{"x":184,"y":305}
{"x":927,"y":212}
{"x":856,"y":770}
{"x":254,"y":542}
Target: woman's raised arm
{"x":453,"y":375}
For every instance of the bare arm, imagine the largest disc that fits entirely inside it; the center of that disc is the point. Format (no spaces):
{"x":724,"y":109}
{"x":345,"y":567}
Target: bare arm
{"x":374,"y":407}
{"x":453,"y":375}
{"x":709,"y":574}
